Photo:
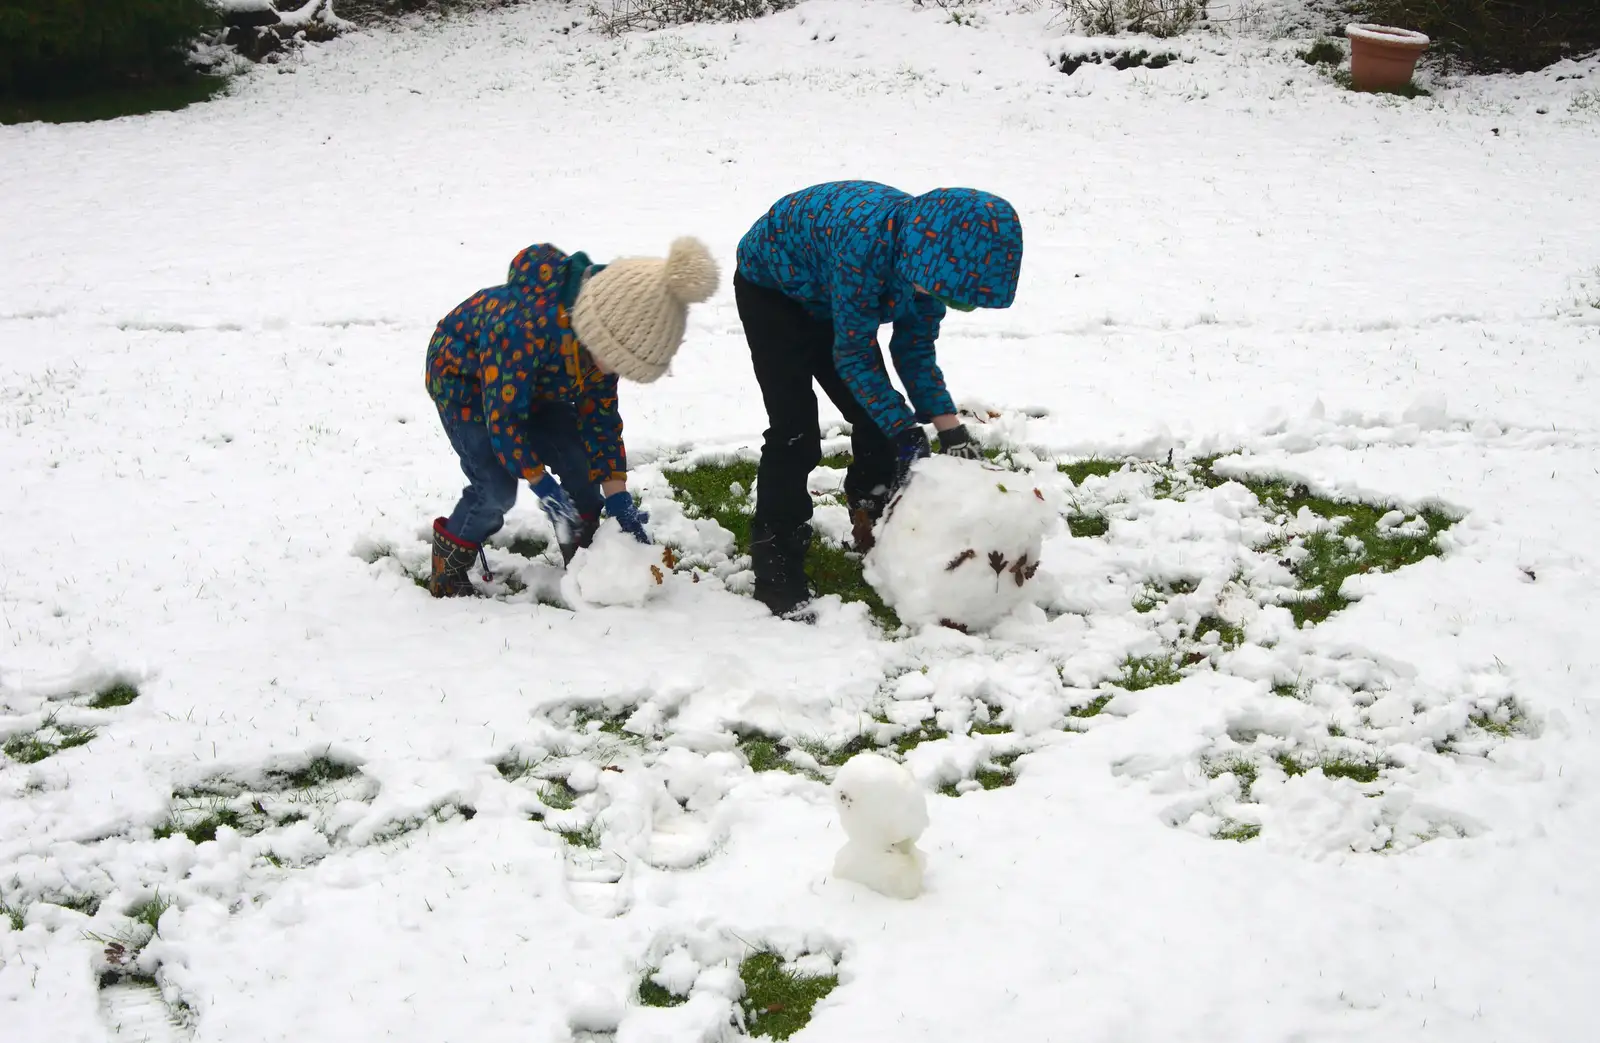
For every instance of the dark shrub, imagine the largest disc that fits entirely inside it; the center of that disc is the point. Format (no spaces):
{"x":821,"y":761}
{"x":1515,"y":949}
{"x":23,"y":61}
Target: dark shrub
{"x":52,"y":47}
{"x":1494,"y":35}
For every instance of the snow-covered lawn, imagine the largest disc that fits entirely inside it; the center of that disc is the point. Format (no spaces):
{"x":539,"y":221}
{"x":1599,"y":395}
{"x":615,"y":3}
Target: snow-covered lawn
{"x":1158,"y":809}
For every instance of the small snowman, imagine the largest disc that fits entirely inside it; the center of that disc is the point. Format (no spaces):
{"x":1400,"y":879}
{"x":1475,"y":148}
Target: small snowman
{"x":883,"y":811}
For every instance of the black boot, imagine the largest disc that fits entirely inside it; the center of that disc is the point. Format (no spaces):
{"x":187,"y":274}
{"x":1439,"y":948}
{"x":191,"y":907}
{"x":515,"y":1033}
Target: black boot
{"x":452,"y":557}
{"x":779,"y":560}
{"x":588,"y":525}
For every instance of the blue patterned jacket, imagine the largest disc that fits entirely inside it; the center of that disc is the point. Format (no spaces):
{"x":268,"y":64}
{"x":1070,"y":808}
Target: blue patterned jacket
{"x":853,"y":252}
{"x":506,"y":349}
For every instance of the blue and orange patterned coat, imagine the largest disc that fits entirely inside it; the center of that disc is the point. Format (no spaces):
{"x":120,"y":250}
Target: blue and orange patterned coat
{"x":505,"y":349}
{"x":853,"y":253}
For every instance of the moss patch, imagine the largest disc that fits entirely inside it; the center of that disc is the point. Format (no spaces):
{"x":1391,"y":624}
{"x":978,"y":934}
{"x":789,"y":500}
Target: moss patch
{"x":653,"y":995}
{"x":777,"y":1003}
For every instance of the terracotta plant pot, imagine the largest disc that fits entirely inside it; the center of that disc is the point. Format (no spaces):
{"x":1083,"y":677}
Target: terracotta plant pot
{"x":1382,"y":58}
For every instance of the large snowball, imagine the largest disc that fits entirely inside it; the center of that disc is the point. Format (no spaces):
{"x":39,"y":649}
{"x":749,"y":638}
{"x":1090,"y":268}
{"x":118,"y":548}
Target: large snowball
{"x":960,"y":544}
{"x":615,"y":569}
{"x":883,"y":811}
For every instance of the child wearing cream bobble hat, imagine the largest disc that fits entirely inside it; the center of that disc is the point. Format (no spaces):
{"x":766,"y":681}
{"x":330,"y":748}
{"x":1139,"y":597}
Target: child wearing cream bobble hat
{"x":525,"y":379}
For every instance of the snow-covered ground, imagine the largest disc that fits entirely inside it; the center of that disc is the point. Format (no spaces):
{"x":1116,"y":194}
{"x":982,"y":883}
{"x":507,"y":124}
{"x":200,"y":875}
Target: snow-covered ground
{"x":219,"y":459}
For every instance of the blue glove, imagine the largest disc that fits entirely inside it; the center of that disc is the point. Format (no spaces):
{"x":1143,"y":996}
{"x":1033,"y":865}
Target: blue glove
{"x":957,"y":442}
{"x":557,"y":507}
{"x":621,"y":507}
{"x":910,"y":446}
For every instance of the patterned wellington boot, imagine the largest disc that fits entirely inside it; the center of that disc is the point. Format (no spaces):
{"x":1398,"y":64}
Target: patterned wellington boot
{"x":779,"y":560}
{"x":452,"y":558}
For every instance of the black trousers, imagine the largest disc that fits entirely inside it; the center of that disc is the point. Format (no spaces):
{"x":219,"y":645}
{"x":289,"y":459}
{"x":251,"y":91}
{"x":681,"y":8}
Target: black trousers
{"x":790,"y":350}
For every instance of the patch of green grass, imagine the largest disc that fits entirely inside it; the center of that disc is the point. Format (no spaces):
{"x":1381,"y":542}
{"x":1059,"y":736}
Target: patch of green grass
{"x":610,"y":721}
{"x":1092,"y":708}
{"x":1087,"y":525}
{"x":112,"y":104}
{"x":1504,"y":720}
{"x":318,"y":772}
{"x":119,"y":694}
{"x":1146,"y":599}
{"x":705,"y":490}
{"x":1240,"y":768}
{"x":1141,"y":672}
{"x":926,"y":731}
{"x":1410,"y":90}
{"x":776,"y":1003}
{"x":835,"y":570}
{"x":998,"y":772}
{"x":528,"y":545}
{"x":1332,"y":767}
{"x":204,"y":829}
{"x":1343,"y":768}
{"x":767,"y":754}
{"x":587,"y":837}
{"x":47,"y":740}
{"x":1328,"y":558}
{"x":834,"y":756}
{"x":1240,"y":831}
{"x":88,"y":905}
{"x":1079,"y":470}
{"x":557,"y":795}
{"x":15,"y":915}
{"x":1229,"y":635}
{"x":1323,"y":52}
{"x":149,"y":911}
{"x":837,"y":461}
{"x":1286,"y":689}
{"x":653,"y":995}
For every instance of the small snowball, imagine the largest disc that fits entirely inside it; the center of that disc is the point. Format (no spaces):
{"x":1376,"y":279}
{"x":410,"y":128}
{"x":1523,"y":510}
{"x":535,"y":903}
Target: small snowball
{"x":1391,"y":519}
{"x":961,"y":543}
{"x":879,"y":801}
{"x":593,"y":1010}
{"x":615,"y":570}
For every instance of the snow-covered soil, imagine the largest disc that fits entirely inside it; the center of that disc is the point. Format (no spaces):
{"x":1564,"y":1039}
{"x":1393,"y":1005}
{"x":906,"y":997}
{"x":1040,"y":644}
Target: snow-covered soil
{"x":478,"y":822}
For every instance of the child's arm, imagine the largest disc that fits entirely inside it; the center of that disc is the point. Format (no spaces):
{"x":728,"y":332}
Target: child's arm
{"x":912,"y":349}
{"x":600,"y":424}
{"x":859,"y":360}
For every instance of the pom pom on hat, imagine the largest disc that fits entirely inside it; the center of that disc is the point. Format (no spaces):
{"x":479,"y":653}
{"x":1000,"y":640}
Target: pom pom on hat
{"x":631,"y":314}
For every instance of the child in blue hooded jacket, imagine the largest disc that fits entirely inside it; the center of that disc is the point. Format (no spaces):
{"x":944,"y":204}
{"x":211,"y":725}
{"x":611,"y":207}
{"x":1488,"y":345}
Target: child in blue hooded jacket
{"x":817,"y":276}
{"x":524,"y":376}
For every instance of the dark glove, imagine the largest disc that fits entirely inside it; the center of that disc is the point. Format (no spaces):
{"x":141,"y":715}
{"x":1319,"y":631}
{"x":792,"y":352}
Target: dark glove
{"x":558,"y":508}
{"x":910,"y":446}
{"x":621,"y":507}
{"x":957,"y":442}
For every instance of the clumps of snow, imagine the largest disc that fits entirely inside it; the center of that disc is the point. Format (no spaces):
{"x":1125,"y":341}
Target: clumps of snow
{"x":615,"y":569}
{"x":883,"y":811}
{"x":960,"y":544}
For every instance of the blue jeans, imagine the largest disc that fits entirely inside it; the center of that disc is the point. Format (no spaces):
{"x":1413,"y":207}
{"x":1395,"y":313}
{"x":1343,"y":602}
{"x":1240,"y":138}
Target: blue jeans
{"x":492,"y":490}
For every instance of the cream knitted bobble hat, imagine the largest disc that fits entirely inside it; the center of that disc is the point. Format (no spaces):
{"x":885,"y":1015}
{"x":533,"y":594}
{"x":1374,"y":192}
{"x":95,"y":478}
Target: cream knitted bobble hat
{"x":631,"y":314}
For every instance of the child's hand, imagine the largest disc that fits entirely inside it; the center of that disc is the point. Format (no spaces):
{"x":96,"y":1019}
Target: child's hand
{"x":910,"y":446}
{"x":957,"y":442}
{"x":621,"y":507}
{"x":557,"y":507}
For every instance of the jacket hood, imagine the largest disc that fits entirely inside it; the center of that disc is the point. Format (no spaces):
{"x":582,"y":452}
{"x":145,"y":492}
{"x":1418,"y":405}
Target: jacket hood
{"x":962,"y":245}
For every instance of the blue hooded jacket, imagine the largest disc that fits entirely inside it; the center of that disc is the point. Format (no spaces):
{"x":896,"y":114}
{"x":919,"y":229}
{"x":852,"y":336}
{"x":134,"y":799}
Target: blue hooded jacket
{"x":853,"y":252}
